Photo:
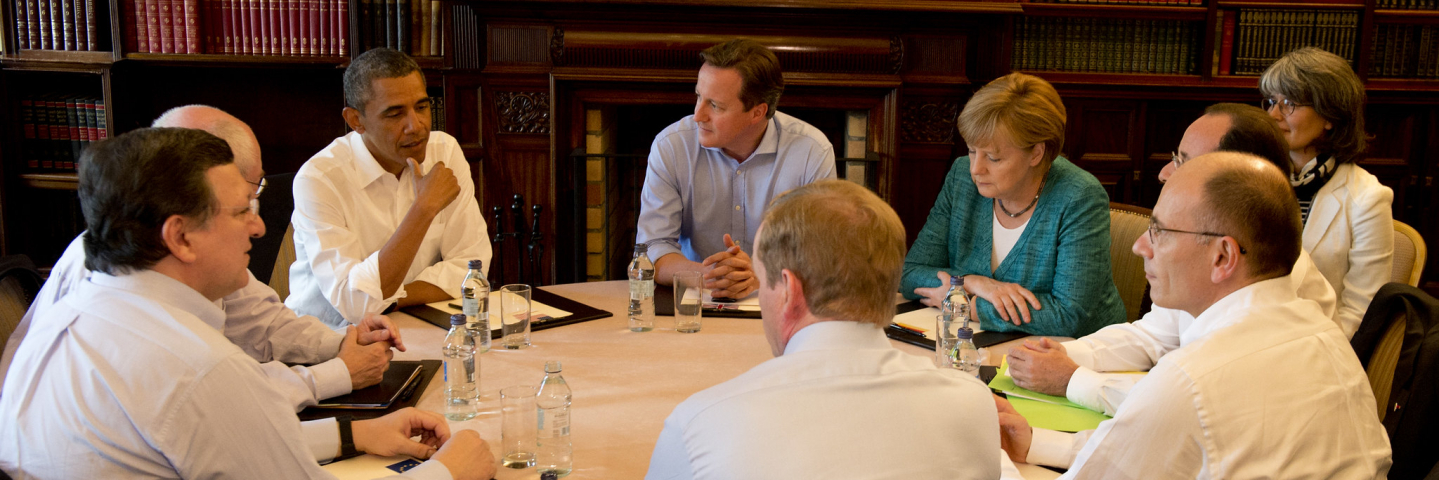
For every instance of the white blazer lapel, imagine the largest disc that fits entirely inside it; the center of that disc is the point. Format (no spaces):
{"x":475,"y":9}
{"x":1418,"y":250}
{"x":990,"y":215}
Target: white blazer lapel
{"x":1328,"y":203}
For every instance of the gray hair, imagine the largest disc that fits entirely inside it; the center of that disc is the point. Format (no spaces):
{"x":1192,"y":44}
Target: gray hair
{"x":218,"y":123}
{"x":372,"y":65}
{"x":1324,"y":81}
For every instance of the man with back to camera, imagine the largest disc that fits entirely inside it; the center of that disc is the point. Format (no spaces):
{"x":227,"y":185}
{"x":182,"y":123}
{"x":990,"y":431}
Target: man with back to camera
{"x":712,"y":174}
{"x":129,"y":376}
{"x":385,"y":215}
{"x":256,"y":320}
{"x":838,"y":400}
{"x":1264,"y":384}
{"x":1073,"y":369}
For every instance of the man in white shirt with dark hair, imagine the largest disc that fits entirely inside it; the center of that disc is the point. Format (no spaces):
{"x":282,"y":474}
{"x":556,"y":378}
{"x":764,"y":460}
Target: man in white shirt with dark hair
{"x":1264,"y":384}
{"x":838,"y":400}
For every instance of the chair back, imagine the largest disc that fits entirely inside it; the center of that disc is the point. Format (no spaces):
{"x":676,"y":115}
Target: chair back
{"x":280,"y":276}
{"x":19,"y":281}
{"x":1126,"y":224}
{"x":277,"y":202}
{"x":1410,"y":253}
{"x":1380,"y":369}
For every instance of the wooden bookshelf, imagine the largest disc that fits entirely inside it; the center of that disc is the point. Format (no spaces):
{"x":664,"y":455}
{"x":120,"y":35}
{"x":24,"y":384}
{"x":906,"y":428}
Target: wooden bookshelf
{"x":1116,"y":10}
{"x":51,"y":181}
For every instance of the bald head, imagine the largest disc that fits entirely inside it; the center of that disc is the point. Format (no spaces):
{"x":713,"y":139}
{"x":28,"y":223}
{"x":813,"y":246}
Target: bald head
{"x":1249,"y":199}
{"x":218,"y":123}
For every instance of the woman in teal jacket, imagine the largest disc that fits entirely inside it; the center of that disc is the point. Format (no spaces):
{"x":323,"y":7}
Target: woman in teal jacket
{"x":1027,"y":229}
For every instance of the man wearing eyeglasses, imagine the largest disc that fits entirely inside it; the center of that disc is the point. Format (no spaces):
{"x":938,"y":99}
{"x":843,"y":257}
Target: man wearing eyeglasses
{"x":1263,"y":385}
{"x":255,"y":318}
{"x":1083,"y":370}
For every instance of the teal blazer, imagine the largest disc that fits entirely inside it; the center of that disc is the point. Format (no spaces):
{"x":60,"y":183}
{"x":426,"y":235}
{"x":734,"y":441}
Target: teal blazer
{"x":1062,"y":257}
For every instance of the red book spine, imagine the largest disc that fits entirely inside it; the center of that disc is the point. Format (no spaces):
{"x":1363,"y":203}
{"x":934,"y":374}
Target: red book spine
{"x":152,"y":24}
{"x":275,"y":21}
{"x":103,"y":130}
{"x":1226,"y":43}
{"x":45,"y":146}
{"x":256,"y":32}
{"x":227,"y":28}
{"x":242,"y":28}
{"x":264,"y":26}
{"x":314,"y":20}
{"x":323,"y":6}
{"x":137,"y":33}
{"x":342,"y":27}
{"x":59,"y":132}
{"x":292,"y":36}
{"x":27,"y":122}
{"x":192,"y":26}
{"x":167,"y":26}
{"x":210,"y":18}
{"x":282,"y":26}
{"x":301,"y":17}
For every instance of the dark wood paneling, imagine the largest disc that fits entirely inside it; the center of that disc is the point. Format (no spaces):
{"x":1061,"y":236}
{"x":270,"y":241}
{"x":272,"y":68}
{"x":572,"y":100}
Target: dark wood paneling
{"x":519,"y":45}
{"x":1106,"y":138}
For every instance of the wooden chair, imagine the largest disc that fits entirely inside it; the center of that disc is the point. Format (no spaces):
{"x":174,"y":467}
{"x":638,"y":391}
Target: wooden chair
{"x":280,"y":274}
{"x":1410,"y":254}
{"x":18,"y":284}
{"x":1126,"y":224}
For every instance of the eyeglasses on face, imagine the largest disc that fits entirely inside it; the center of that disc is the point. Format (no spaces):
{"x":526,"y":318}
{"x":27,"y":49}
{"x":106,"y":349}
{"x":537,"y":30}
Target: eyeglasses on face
{"x":259,"y":187}
{"x":1155,"y":230}
{"x":252,"y":208}
{"x":1285,"y":106}
{"x":1177,"y":159}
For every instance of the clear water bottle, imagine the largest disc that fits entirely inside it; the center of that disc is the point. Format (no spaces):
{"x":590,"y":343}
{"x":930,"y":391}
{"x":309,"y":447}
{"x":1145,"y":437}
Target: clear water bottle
{"x":555,"y":453}
{"x":475,"y":292}
{"x":956,"y":302}
{"x":462,"y":382}
{"x":642,"y":290}
{"x":966,"y":356}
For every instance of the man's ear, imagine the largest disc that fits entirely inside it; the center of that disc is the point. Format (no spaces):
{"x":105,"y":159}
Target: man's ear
{"x":794,"y":306}
{"x":759,"y":113}
{"x":174,"y":232}
{"x":1226,"y":262}
{"x":352,"y":118}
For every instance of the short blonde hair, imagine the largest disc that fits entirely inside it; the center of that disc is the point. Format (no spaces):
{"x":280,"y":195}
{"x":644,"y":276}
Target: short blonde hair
{"x":851,"y":275}
{"x":1026,"y":107}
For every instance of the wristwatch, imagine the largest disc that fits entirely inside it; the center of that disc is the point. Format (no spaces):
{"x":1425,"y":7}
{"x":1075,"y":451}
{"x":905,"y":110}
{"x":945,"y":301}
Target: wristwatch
{"x":347,"y":438}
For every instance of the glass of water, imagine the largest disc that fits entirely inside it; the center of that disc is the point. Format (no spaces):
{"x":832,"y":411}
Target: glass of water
{"x":515,"y":316}
{"x":946,"y":337}
{"x":518,"y":430}
{"x":689,"y":295}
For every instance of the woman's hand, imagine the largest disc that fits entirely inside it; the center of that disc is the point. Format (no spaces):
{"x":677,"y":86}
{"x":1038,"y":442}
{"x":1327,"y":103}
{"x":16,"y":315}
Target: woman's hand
{"x":1009,"y":299}
{"x":934,"y":297}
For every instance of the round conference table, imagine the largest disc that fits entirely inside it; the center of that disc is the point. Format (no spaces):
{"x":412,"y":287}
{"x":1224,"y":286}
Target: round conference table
{"x":624,"y":383}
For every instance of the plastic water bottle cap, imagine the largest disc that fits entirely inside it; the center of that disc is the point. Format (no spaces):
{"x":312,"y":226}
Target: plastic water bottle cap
{"x":966,"y":334}
{"x":457,"y":319}
{"x":477,"y":264}
{"x":956,"y":280}
{"x":549,"y":476}
{"x":552,"y":366}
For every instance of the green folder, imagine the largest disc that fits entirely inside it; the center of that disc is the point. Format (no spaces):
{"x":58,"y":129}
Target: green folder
{"x":1046,"y":411}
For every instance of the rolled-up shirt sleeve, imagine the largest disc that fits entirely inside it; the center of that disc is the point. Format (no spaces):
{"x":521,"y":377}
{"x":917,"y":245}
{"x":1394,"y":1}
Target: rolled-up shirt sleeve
{"x":465,"y":236}
{"x":661,"y":204}
{"x":347,"y":277}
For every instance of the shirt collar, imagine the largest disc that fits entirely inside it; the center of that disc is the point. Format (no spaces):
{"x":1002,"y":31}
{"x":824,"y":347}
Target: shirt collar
{"x":1231,"y":309}
{"x":161,"y":288}
{"x":768,"y":144}
{"x":837,"y":335}
{"x":366,"y":167}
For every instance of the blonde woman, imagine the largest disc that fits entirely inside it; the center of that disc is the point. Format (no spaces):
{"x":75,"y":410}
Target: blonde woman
{"x":1027,"y":229}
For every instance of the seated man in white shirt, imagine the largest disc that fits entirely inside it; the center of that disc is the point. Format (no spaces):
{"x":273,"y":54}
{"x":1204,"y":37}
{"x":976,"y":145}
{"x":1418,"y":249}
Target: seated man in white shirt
{"x":711,"y":174}
{"x":255,"y":318}
{"x":1073,"y":368}
{"x":838,"y":400}
{"x":387,"y":214}
{"x":129,"y":376}
{"x":1264,"y":384}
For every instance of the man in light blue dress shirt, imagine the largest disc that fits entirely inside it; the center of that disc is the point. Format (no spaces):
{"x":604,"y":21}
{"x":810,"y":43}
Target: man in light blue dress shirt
{"x":712,"y":174}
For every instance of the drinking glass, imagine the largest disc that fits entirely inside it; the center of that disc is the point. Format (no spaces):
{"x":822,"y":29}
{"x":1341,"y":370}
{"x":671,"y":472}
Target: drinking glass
{"x":689,"y":295}
{"x":517,"y":427}
{"x":515,"y":315}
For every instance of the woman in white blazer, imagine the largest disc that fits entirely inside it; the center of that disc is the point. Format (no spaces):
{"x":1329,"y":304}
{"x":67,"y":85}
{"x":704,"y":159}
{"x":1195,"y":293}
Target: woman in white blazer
{"x":1318,"y":102}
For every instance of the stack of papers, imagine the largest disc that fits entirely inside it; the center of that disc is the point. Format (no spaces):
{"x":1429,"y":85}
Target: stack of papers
{"x":1045,"y":411}
{"x":537,"y":309}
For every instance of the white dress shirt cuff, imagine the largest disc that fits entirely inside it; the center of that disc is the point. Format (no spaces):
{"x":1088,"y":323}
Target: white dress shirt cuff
{"x":1086,"y":387}
{"x":332,"y":379}
{"x":323,"y":438}
{"x":1051,"y":448}
{"x":430,"y":470}
{"x":365,"y":278}
{"x":1081,"y":352}
{"x":660,"y":248}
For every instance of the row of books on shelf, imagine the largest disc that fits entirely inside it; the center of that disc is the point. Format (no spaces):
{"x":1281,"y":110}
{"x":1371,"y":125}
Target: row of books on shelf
{"x":410,"y":26}
{"x":58,"y":127}
{"x":1407,"y":4}
{"x":58,"y":25}
{"x":1405,"y":51}
{"x":1107,"y":45}
{"x":1252,"y":39}
{"x":1172,"y":3}
{"x":238,"y":27}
